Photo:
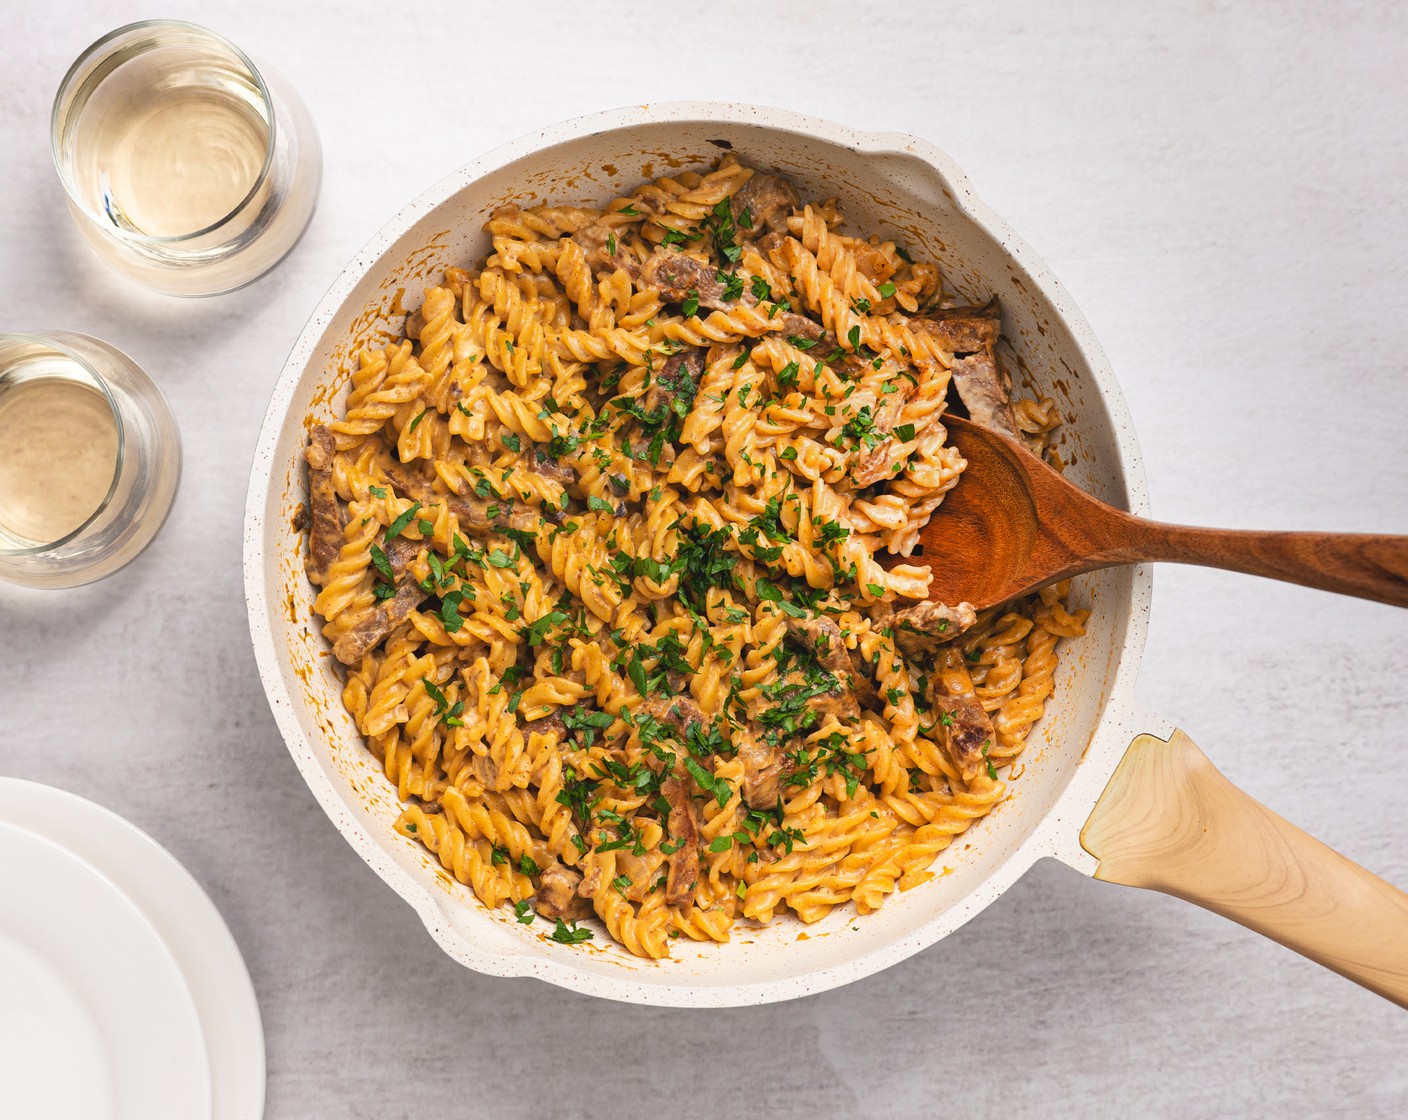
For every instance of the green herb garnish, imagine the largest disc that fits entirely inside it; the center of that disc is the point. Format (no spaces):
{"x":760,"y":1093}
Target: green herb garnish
{"x":570,"y":935}
{"x":399,"y":525}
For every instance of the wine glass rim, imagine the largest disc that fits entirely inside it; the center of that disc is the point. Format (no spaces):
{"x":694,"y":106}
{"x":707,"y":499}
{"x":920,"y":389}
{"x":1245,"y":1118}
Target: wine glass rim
{"x":83,"y":66}
{"x":54,"y":344}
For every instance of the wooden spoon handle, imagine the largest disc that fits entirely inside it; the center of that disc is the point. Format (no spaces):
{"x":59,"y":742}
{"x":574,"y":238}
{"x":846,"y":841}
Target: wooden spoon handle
{"x":1169,"y":821}
{"x":1370,"y":566}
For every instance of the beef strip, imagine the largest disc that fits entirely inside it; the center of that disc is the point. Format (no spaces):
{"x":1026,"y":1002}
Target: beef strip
{"x":325,"y":515}
{"x":770,"y":242}
{"x":822,"y":637}
{"x":799,"y":326}
{"x":891,"y":406}
{"x":964,"y":330}
{"x":557,"y":894}
{"x":400,"y":553}
{"x":684,"y":827}
{"x":838,"y":700}
{"x":550,"y":468}
{"x":768,"y":201}
{"x":763,"y":767}
{"x":862,"y":676}
{"x":877,"y":464}
{"x":472,"y":511}
{"x":921,"y":629}
{"x":410,"y":482}
{"x":474,"y":514}
{"x":969,"y":730}
{"x":373,"y":627}
{"x":873,"y":464}
{"x":549,"y":724}
{"x":603,"y":249}
{"x":985,"y":391}
{"x":677,"y":276}
{"x":983,"y":386}
{"x":679,"y":712}
{"x":808,"y":330}
{"x":676,"y":383}
{"x":321,"y":447}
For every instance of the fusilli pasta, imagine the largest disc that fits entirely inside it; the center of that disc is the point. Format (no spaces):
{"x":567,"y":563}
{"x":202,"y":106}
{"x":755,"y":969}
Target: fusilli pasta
{"x":613,"y":549}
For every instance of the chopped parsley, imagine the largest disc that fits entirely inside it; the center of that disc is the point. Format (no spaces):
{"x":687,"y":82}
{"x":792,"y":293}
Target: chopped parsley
{"x":560,"y":446}
{"x":572,"y":934}
{"x":720,"y":225}
{"x":704,"y":562}
{"x":446,"y":712}
{"x":538,"y":629}
{"x":587,"y":722}
{"x":382,"y":564}
{"x":707,"y":782}
{"x":449,"y":611}
{"x":860,"y":428}
{"x":399,"y":525}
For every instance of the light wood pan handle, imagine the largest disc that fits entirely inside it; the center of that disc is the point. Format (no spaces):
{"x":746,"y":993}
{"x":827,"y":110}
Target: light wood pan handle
{"x":1169,"y":821}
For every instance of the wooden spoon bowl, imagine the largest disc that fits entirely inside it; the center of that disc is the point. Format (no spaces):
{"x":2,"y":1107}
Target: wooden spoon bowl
{"x":1014,"y":524}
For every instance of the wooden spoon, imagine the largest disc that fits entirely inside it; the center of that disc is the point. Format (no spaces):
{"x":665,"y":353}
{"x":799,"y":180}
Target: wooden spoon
{"x":1013,"y":524}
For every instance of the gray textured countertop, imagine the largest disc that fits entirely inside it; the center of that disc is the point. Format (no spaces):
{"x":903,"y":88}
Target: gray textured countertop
{"x":1222,"y":190}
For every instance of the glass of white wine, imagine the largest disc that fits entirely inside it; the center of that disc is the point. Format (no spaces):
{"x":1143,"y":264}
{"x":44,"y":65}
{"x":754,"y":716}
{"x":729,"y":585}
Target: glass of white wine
{"x":186,"y":166}
{"x":90,"y":458}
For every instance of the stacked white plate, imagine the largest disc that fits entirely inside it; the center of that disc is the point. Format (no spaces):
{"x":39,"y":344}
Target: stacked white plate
{"x":122,"y":994}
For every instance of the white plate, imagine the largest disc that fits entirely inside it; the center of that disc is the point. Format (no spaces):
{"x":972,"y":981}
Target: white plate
{"x":186,"y":919}
{"x":95,"y":1018}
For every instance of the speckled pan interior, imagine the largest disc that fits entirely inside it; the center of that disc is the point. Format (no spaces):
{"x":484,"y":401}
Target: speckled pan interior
{"x":890,"y":184}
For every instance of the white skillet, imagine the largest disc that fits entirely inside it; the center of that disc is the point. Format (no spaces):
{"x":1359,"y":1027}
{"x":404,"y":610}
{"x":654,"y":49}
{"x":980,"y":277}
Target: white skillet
{"x":903,"y":188}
